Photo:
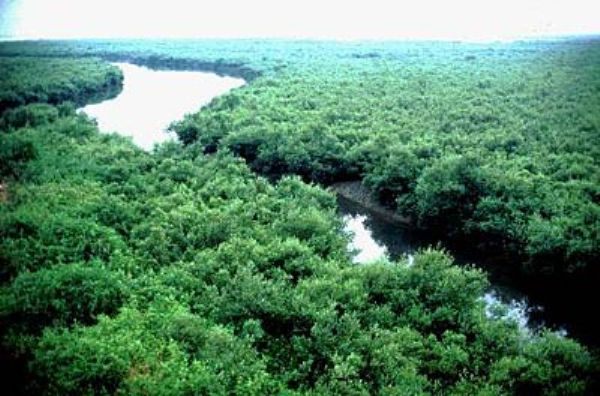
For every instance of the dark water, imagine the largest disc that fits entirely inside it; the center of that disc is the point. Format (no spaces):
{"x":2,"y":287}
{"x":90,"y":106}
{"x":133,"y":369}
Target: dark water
{"x":375,"y":237}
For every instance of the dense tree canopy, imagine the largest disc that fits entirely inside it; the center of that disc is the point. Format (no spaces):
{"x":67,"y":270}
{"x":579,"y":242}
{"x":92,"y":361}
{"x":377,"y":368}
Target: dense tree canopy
{"x":521,"y":116}
{"x":175,"y":272}
{"x":54,"y":80}
{"x":501,"y":145}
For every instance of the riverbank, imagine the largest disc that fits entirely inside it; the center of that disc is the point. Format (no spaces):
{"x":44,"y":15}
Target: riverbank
{"x":527,"y":297}
{"x":356,"y":192}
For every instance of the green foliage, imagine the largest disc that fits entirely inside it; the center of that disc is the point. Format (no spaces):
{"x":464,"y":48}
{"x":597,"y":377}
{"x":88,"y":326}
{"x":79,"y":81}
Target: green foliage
{"x":530,"y":373}
{"x":14,"y":152}
{"x":521,"y":116}
{"x":33,"y":239}
{"x":394,"y":113}
{"x":174,"y":272}
{"x":446,"y":192}
{"x":30,"y":115}
{"x":164,"y":351}
{"x":27,"y":80}
{"x":62,"y":295}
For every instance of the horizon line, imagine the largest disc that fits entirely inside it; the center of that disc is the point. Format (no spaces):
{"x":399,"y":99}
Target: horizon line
{"x":530,"y":37}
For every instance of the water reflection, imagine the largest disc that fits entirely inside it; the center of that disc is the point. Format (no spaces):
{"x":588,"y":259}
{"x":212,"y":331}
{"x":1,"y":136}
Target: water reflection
{"x":374,"y":237}
{"x":363,"y":245}
{"x":152,"y":99}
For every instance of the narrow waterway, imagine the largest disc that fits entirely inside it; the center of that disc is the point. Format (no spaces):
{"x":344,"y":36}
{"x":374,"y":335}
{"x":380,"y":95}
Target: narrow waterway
{"x":375,"y":237}
{"x":152,"y":99}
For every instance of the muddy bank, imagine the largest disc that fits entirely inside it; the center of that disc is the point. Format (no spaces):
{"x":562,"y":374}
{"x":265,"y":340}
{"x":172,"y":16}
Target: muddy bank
{"x":357,"y":193}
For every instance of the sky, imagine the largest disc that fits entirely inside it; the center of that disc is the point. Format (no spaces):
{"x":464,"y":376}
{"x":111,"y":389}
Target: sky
{"x":331,"y":19}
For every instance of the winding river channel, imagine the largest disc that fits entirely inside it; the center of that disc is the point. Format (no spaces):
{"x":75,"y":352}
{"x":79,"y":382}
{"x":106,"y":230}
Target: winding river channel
{"x":152,"y":99}
{"x":376,"y":237}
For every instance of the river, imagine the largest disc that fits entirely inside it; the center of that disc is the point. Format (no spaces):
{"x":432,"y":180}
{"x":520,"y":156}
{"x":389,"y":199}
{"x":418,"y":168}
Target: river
{"x":152,"y":99}
{"x":376,"y":237}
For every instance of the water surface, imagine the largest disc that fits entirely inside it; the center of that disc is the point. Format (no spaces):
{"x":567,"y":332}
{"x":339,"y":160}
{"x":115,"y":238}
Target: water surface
{"x":152,"y":99}
{"x":375,"y":238}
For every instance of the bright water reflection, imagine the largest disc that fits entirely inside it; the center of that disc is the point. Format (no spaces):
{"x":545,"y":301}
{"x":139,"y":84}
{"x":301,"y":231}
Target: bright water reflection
{"x":366,"y":249}
{"x":152,"y":99}
{"x":374,"y":238}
